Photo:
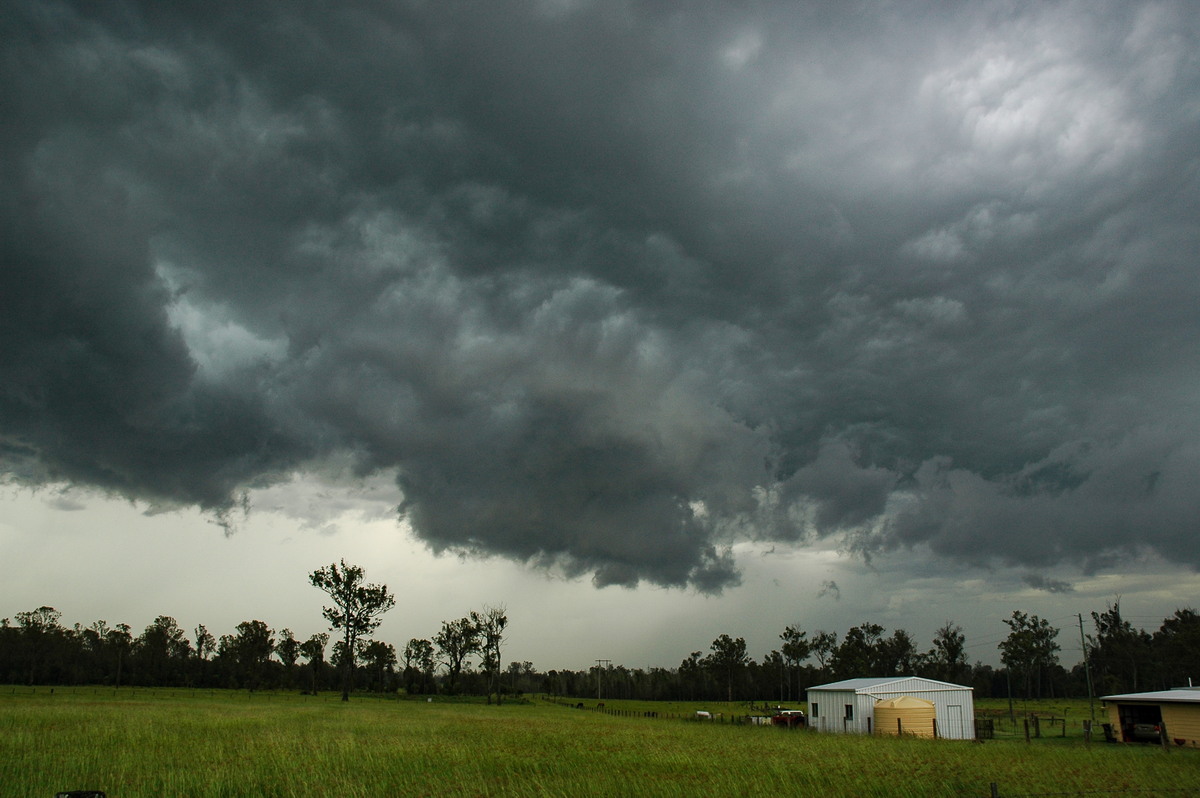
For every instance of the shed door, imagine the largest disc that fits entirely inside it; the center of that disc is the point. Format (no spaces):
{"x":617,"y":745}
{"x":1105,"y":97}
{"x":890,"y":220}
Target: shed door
{"x":954,"y":723}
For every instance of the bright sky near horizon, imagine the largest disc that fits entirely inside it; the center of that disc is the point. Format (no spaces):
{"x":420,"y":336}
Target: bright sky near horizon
{"x":651,"y":322}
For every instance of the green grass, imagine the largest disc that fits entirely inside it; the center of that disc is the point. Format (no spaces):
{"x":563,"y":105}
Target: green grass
{"x":155,"y":743}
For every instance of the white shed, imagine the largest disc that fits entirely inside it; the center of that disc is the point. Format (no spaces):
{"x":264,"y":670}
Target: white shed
{"x":849,"y":705}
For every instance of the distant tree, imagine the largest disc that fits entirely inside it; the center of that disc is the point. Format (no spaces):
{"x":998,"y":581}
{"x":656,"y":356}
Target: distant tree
{"x":522,"y":676}
{"x":381,"y":658}
{"x":795,"y":649}
{"x":490,"y":625}
{"x":948,"y":657}
{"x":163,"y":651}
{"x":773,"y":669}
{"x":859,"y":653}
{"x":1118,"y":652}
{"x":343,"y":657}
{"x":1176,"y":647}
{"x":727,"y":661}
{"x":251,"y":649}
{"x":822,"y":647}
{"x":1029,"y":648}
{"x":357,"y":609}
{"x":455,"y":642}
{"x":206,"y":644}
{"x":418,"y":665}
{"x":287,"y":648}
{"x":313,"y":650}
{"x":691,"y":676}
{"x":120,"y":641}
{"x":39,"y":631}
{"x":897,"y":655}
{"x":94,"y":649}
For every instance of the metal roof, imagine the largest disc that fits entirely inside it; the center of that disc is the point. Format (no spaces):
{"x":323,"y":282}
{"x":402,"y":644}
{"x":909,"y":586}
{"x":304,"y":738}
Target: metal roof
{"x":863,"y":684}
{"x":1180,"y":695}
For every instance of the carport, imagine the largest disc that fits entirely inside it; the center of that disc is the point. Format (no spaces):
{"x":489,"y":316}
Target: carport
{"x":1141,"y":717}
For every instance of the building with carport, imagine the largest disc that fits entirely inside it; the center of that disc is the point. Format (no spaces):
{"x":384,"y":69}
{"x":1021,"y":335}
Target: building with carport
{"x":1141,"y":717}
{"x":850,"y":706}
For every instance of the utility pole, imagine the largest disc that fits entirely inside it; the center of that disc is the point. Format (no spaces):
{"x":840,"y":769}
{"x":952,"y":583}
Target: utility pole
{"x":1087,"y":669}
{"x":601,"y":664}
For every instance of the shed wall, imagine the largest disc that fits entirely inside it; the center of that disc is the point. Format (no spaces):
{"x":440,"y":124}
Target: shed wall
{"x":831,"y":714}
{"x":1183,"y":723}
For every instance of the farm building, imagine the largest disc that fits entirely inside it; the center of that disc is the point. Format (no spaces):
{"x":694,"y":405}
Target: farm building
{"x":894,"y":705}
{"x":1138,"y":717}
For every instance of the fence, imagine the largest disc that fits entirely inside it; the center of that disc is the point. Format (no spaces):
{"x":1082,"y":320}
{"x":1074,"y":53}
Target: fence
{"x":732,"y":719}
{"x":1148,"y":792}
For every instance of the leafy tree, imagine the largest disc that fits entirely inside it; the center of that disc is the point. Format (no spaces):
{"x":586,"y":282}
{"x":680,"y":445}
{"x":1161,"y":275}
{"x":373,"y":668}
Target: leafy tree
{"x":418,"y":665}
{"x":691,"y":676}
{"x":490,"y":625}
{"x":1029,"y":648}
{"x":522,"y":676}
{"x":381,"y":657}
{"x":251,"y":649}
{"x":948,"y":657}
{"x":1177,"y":647}
{"x":773,"y":668}
{"x":313,"y":650}
{"x":897,"y":655}
{"x":822,"y":647}
{"x":357,"y":609}
{"x":455,"y":642}
{"x":1117,"y":651}
{"x":39,"y":632}
{"x":163,"y":651}
{"x":120,"y":641}
{"x":287,"y":648}
{"x":206,"y":644}
{"x":727,"y":660}
{"x":795,"y":649}
{"x":859,"y":653}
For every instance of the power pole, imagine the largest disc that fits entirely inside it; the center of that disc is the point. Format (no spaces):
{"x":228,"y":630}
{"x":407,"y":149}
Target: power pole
{"x":601,"y":664}
{"x":1087,"y":669}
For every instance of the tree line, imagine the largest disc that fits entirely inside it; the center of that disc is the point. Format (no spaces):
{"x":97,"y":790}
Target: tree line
{"x":464,"y":656}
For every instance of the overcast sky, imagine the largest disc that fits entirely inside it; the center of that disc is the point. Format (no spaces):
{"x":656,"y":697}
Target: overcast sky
{"x":648,"y":320}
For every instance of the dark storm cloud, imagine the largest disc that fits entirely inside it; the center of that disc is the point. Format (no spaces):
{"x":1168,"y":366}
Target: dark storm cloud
{"x":612,"y":286}
{"x":1038,"y":582}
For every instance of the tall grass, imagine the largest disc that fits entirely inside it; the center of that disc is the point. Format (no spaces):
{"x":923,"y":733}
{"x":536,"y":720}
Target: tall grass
{"x":225,"y":744}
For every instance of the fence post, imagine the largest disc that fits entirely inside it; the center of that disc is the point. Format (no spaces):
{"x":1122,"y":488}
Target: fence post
{"x":1026,"y":729}
{"x":995,"y":790}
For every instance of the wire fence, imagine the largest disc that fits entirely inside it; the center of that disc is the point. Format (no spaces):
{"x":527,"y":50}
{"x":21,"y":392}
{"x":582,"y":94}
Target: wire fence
{"x":1173,"y":792}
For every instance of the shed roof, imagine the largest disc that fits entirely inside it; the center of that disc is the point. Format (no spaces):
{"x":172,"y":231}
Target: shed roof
{"x":870,"y":683}
{"x":1180,"y":695}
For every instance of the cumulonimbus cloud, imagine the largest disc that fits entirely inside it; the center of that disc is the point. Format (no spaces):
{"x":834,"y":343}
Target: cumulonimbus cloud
{"x":610,"y":289}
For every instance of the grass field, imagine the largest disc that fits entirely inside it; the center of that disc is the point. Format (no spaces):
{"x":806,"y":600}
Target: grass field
{"x":156,"y":743}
